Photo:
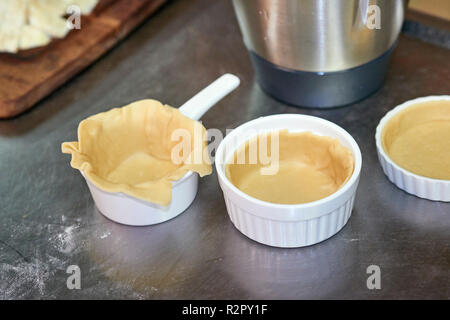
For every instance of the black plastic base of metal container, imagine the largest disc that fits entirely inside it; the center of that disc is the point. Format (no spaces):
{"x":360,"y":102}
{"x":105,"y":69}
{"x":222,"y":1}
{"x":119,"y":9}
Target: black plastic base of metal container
{"x":318,"y":89}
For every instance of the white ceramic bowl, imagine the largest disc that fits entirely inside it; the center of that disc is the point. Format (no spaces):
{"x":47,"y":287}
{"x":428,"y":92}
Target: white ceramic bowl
{"x":129,"y":210}
{"x":423,"y":187}
{"x":282,"y":225}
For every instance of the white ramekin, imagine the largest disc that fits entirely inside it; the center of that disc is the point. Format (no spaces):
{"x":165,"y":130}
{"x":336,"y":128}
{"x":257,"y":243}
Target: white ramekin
{"x":281,"y":225}
{"x":423,"y":187}
{"x":125,"y":209}
{"x":132,"y":211}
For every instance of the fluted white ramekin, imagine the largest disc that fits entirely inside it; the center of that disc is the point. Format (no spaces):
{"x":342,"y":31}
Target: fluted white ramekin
{"x":423,"y":187}
{"x":282,"y":225}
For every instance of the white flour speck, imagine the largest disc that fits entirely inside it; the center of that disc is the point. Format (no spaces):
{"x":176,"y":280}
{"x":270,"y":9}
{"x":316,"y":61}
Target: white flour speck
{"x":65,"y":241}
{"x":23,"y":279}
{"x":105,"y":235}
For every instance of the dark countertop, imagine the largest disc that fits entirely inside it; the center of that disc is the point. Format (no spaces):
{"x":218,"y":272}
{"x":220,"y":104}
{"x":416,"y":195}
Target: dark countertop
{"x":48,"y":220}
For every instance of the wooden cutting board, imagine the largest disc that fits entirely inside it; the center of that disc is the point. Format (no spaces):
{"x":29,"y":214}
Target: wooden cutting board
{"x":27,"y":77}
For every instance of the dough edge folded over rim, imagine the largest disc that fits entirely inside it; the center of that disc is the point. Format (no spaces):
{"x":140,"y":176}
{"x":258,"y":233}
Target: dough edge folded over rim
{"x":142,"y":112}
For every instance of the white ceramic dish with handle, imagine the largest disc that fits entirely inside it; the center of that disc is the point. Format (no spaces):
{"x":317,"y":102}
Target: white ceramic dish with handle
{"x":128,"y":210}
{"x":282,"y":225}
{"x":420,"y":186}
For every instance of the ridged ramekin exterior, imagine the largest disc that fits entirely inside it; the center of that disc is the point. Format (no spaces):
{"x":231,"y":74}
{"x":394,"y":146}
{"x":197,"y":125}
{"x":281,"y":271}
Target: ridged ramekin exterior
{"x":289,"y":234}
{"x":282,"y":225}
{"x":422,"y":187}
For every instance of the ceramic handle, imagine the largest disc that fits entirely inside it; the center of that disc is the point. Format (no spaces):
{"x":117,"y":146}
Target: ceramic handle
{"x":197,"y":106}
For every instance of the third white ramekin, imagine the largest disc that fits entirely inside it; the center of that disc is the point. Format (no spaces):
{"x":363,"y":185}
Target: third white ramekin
{"x":282,"y":225}
{"x":423,"y":187}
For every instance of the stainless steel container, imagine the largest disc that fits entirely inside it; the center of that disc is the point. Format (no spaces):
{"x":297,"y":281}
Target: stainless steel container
{"x":320,"y":53}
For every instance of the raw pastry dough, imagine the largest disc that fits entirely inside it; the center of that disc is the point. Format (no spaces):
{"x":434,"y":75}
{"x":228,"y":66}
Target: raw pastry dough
{"x":12,"y":18}
{"x":45,"y":16}
{"x":26,"y":24}
{"x":32,"y":38}
{"x":130,"y":149}
{"x":418,"y":139}
{"x":311,"y":167}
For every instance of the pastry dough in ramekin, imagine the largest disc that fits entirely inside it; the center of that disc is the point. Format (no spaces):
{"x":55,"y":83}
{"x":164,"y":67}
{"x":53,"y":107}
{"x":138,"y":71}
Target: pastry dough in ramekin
{"x":129,"y":150}
{"x":288,"y":225}
{"x":413,"y":144}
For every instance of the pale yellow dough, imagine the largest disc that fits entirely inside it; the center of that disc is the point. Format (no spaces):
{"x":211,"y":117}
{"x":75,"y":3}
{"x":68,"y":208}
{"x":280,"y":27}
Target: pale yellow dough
{"x":311,"y":167}
{"x":129,"y":150}
{"x":418,"y":139}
